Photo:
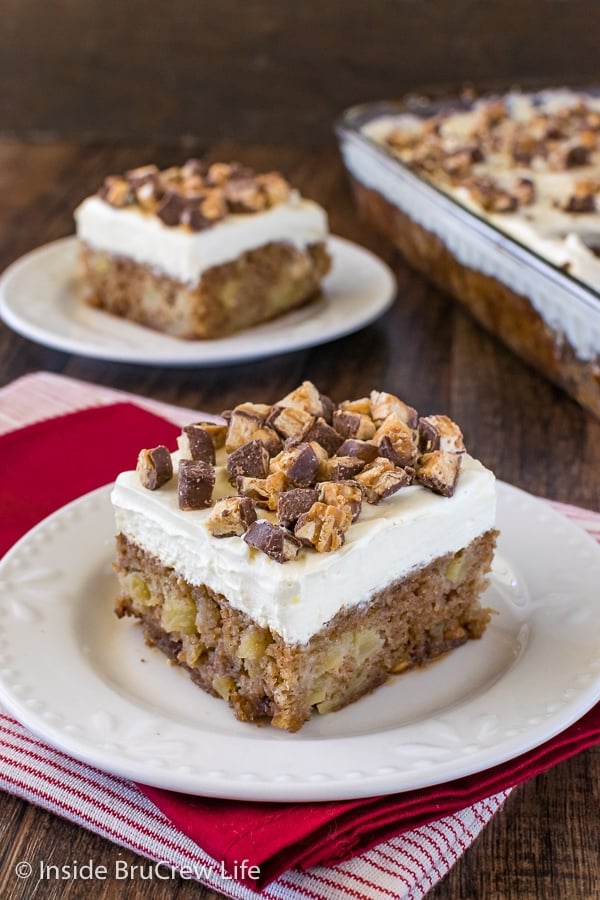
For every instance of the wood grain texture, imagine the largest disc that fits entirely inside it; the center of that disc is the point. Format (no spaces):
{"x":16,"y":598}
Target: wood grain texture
{"x":265,"y":70}
{"x":544,"y":844}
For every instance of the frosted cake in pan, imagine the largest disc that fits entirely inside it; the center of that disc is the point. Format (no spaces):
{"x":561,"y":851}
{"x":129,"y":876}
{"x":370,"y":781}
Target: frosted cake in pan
{"x":497,"y":200}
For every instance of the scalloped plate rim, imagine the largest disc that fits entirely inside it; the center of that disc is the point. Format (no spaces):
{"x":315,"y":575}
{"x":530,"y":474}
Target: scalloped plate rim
{"x":60,"y":320}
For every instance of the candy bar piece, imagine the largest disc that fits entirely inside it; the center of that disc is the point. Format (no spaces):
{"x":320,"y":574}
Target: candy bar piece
{"x":328,"y":406}
{"x":243,"y":195}
{"x":308,"y":398}
{"x":170,"y":176}
{"x":171,"y":207}
{"x":362,"y":449}
{"x":384,"y":404}
{"x":274,"y":540}
{"x":196,"y":483}
{"x":568,"y":157}
{"x":116,"y":191}
{"x":219,"y":173}
{"x":154,"y":467}
{"x":440,"y":433}
{"x":361,"y":406}
{"x":439,"y":470}
{"x":268,"y":437}
{"x":142,"y":175}
{"x":217,"y":432}
{"x":214,"y":205}
{"x":340,"y":468}
{"x":581,"y":203}
{"x":524,"y":191}
{"x":264,"y":491}
{"x":353,"y":424}
{"x":194,"y":168}
{"x":395,"y":451}
{"x":195,"y":442}
{"x":298,"y":464}
{"x":396,"y":441}
{"x":146,"y":186}
{"x":250,"y":459}
{"x":290,"y":421}
{"x":325,"y":435}
{"x":323,"y":527}
{"x":583,"y":197}
{"x":274,"y":187}
{"x":293,"y":503}
{"x":194,"y":217}
{"x":381,"y":478}
{"x":244,"y":421}
{"x":321,"y":454}
{"x":345,"y":494}
{"x":148,"y":195}
{"x":231,"y":516}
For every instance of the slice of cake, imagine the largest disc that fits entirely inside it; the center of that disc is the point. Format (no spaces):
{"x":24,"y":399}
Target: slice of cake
{"x":296,"y":555}
{"x":200,"y":251}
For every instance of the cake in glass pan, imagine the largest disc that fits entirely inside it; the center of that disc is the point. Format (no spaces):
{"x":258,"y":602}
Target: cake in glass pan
{"x":200,"y":251}
{"x":529,"y":163}
{"x":495,"y":199}
{"x":299,"y":553}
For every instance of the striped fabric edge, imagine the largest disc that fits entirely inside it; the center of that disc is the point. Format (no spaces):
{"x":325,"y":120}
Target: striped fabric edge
{"x":406,"y":867}
{"x":110,"y":806}
{"x":45,"y":395}
{"x":113,"y":808}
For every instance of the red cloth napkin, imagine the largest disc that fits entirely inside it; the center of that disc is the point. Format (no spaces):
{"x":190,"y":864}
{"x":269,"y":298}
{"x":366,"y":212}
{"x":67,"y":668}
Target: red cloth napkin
{"x":50,"y":463}
{"x":42,"y":467}
{"x":279,"y":836}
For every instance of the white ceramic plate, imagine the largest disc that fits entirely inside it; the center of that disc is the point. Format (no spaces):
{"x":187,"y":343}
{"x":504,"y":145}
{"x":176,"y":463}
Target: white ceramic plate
{"x":85,"y":681}
{"x":39,"y":298}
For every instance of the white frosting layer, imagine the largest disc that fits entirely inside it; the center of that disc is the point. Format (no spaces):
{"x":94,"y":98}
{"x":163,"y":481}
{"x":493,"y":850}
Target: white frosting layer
{"x":554,"y":234}
{"x":185,"y":255}
{"x":295,"y":599}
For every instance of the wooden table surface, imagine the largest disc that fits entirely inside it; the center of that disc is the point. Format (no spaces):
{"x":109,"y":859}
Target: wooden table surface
{"x":545,"y":842}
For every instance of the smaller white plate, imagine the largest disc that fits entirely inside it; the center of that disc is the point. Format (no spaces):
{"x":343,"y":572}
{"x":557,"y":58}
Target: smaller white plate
{"x":39,"y":299}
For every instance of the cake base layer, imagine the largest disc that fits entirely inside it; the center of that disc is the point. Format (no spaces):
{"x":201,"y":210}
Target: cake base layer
{"x":408,"y":623}
{"x":508,"y":315}
{"x":259,"y":285}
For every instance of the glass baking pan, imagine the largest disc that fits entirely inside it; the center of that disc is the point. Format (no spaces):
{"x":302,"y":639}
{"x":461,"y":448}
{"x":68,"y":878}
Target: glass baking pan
{"x":544,"y":314}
